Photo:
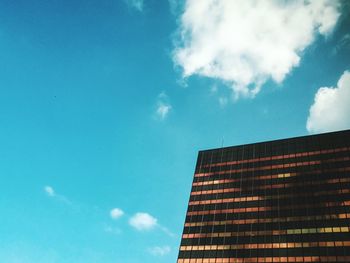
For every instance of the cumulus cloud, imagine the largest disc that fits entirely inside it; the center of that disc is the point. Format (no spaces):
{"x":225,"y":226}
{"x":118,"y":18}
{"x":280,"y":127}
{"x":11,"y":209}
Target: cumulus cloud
{"x":246,"y":43}
{"x":136,"y":4}
{"x":163,"y":106}
{"x":116,"y":213}
{"x":143,"y":221}
{"x":49,"y":191}
{"x":159,"y":251}
{"x":331,"y":108}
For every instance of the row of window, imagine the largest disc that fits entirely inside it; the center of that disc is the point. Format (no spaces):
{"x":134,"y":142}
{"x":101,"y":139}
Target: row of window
{"x":291,"y":191}
{"x":283,"y":203}
{"x":294,"y":219}
{"x":282,"y":238}
{"x":284,"y":159}
{"x":268,"y":245}
{"x":313,"y":187}
{"x":335,"y":195}
{"x":304,"y":251}
{"x":336,"y":162}
{"x":236,"y":160}
{"x":267,"y":259}
{"x":282,"y":188}
{"x":242,"y":232}
{"x":218,"y":157}
{"x":262,"y":177}
{"x":302,"y":172}
{"x":307,"y":164}
{"x":318,"y":175}
{"x":221,"y":215}
{"x":268,"y":184}
{"x":338,"y":225}
{"x":219,"y":210}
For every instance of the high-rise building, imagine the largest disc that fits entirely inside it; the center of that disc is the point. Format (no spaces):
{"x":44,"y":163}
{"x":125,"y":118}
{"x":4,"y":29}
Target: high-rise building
{"x":279,"y":201}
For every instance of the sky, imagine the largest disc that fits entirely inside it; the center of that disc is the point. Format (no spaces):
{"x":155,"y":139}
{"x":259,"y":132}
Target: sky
{"x":105,"y":104}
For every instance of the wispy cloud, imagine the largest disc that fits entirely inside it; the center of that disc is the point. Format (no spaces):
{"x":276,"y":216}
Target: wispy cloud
{"x":214,"y":89}
{"x":163,"y":106}
{"x":50,"y":191}
{"x":175,"y":6}
{"x":159,"y":251}
{"x":331,"y":108}
{"x":135,"y":4}
{"x":166,"y":230}
{"x":143,"y":221}
{"x":163,"y":110}
{"x":343,"y":43}
{"x":116,"y":213}
{"x":223,"y":101}
{"x":246,"y":43}
{"x":112,"y":230}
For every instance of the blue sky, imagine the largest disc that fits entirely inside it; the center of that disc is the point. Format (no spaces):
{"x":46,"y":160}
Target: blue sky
{"x":105,"y":104}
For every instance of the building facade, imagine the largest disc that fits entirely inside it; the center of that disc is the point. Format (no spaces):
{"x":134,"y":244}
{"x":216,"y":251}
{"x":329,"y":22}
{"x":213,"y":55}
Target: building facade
{"x":279,"y":201}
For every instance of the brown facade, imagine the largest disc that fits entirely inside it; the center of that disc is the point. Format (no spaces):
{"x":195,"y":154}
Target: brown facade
{"x":278,"y":201}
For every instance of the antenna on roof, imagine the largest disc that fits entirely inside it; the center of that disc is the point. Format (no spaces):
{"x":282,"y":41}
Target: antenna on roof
{"x":222,"y":142}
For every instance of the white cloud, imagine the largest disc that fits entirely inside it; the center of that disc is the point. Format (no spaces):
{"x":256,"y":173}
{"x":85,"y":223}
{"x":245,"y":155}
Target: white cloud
{"x":245,"y":43}
{"x":49,"y":191}
{"x":143,"y":221}
{"x":163,"y":110}
{"x":159,"y":251}
{"x":136,"y":4}
{"x":163,"y":106}
{"x":331,"y":108}
{"x":116,"y":213}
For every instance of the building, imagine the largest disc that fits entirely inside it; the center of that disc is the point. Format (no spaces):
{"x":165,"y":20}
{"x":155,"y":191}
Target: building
{"x":279,"y":201}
